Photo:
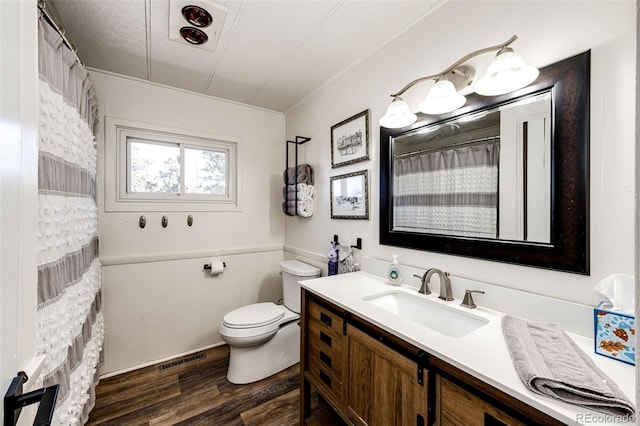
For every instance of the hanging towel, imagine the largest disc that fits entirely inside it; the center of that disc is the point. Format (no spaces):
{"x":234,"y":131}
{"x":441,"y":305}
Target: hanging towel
{"x":304,"y":174}
{"x":301,"y":193}
{"x":551,"y":364}
{"x":304,"y":192}
{"x":346,"y":259}
{"x":304,"y":209}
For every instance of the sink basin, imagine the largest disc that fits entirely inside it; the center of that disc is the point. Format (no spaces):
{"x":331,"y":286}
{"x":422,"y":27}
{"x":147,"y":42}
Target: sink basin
{"x":430,"y":314}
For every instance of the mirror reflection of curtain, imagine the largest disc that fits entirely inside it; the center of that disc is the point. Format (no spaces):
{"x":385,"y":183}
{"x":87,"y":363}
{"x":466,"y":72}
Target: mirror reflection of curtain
{"x":452,"y":191}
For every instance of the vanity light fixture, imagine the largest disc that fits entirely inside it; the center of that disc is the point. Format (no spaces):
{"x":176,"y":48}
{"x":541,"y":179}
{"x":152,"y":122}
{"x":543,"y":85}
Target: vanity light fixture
{"x":398,"y":115}
{"x":506,"y":73}
{"x":442,"y":97}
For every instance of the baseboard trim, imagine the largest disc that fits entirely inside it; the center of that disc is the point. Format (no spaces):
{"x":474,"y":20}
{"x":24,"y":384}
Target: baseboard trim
{"x":159,"y":361}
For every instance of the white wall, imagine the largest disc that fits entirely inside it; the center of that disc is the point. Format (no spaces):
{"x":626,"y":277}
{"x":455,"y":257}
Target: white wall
{"x":158,"y":302}
{"x":548,"y":32}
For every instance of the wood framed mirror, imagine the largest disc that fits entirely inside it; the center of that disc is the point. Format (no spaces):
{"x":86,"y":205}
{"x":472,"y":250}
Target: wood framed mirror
{"x":521,"y":163}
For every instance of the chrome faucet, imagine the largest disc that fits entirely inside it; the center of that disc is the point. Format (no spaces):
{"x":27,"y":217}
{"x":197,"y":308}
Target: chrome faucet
{"x":424,"y":287}
{"x":445,"y":283}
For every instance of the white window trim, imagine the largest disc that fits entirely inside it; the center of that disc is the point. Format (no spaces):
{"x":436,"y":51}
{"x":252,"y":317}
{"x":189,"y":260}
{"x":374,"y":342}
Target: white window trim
{"x":116,"y":197}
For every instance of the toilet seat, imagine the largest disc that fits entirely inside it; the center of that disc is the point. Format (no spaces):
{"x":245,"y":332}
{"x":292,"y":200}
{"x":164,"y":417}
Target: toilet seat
{"x":251,"y":316}
{"x":251,"y":324}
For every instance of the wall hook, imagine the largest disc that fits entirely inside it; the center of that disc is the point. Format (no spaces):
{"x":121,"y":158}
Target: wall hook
{"x":358,"y":242}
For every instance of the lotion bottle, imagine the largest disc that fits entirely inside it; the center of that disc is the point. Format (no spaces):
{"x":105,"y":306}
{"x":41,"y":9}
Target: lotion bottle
{"x":393,"y":272}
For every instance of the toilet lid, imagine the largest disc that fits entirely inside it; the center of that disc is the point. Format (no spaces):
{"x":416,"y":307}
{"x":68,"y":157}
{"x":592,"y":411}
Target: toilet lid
{"x":254,"y":315}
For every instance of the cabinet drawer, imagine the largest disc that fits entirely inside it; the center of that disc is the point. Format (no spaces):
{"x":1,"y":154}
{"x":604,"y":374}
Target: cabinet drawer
{"x":324,"y":338}
{"x":328,"y":358}
{"x":456,"y":406}
{"x":325,"y":380}
{"x":325,"y":318}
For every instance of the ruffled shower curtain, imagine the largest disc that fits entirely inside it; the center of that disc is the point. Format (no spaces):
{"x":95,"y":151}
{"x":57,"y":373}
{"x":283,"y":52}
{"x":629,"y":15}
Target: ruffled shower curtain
{"x":70,"y":323}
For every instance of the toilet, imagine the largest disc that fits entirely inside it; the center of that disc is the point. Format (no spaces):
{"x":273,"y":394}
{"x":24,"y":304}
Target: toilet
{"x":264,"y":338}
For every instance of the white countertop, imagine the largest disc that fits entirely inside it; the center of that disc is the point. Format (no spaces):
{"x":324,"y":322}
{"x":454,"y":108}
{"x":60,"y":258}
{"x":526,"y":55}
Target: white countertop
{"x":481,"y":353}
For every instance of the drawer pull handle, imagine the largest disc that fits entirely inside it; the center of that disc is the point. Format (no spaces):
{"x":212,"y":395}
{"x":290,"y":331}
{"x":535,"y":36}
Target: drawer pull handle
{"x":325,"y":318}
{"x":326,"y":339}
{"x":325,"y":358}
{"x":325,"y":378}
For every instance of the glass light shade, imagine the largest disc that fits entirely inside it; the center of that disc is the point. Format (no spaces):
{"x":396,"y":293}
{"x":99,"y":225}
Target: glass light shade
{"x":398,"y":115}
{"x":506,"y":73}
{"x":442,"y":98}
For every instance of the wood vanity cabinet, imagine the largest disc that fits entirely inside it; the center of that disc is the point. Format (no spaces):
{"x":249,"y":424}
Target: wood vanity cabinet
{"x":357,"y":369}
{"x":372,"y":377}
{"x":381,"y":386}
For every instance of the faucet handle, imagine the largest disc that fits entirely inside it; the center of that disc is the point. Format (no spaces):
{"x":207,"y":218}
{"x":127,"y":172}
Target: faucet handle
{"x":468,"y":302}
{"x":424,"y":285}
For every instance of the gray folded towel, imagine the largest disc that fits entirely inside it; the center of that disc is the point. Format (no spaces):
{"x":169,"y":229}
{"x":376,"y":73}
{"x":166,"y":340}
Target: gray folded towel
{"x":551,"y":364}
{"x":304,"y":174}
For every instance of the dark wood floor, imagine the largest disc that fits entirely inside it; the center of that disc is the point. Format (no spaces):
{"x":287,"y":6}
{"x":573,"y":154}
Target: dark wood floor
{"x":198,"y":393}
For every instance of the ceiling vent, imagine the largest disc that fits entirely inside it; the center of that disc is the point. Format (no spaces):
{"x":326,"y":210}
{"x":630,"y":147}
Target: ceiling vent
{"x":196,"y":22}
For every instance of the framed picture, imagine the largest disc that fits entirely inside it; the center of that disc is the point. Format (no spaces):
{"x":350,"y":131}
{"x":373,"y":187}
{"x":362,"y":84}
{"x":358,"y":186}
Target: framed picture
{"x":350,"y":140}
{"x":350,"y":196}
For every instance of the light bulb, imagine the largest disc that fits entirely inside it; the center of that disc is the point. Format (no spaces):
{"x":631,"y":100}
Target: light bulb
{"x":442,"y":98}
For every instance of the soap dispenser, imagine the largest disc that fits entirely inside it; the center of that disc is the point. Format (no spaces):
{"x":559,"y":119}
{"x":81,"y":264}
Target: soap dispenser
{"x":393,"y":272}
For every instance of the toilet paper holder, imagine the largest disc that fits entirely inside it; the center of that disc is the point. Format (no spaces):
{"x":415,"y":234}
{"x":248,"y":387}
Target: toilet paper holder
{"x":207,"y":266}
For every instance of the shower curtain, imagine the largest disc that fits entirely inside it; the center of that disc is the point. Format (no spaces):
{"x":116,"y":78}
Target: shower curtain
{"x":70,"y":329}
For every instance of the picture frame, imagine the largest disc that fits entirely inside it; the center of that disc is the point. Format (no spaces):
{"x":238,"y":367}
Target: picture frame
{"x":350,"y":196}
{"x":350,"y":140}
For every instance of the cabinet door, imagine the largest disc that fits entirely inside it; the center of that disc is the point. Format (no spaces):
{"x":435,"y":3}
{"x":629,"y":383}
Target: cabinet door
{"x":382,"y":385}
{"x":456,"y":406}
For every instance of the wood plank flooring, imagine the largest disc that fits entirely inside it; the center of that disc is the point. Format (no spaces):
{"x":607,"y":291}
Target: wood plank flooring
{"x":198,"y":393}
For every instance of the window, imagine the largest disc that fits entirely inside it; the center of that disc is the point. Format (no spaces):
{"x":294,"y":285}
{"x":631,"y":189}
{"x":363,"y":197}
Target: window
{"x":160,"y":167}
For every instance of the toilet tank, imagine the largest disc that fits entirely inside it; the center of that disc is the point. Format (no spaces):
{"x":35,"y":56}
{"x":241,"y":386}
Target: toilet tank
{"x":292,"y":272}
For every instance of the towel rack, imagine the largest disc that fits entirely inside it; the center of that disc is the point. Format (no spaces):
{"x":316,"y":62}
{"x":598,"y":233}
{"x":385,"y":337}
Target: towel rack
{"x":358,"y":242}
{"x":299,"y":141}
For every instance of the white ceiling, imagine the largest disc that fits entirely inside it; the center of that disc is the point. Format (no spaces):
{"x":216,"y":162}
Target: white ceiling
{"x":271,"y":54}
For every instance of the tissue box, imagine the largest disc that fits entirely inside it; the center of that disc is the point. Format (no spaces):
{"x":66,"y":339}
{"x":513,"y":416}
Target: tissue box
{"x":615,"y":333}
